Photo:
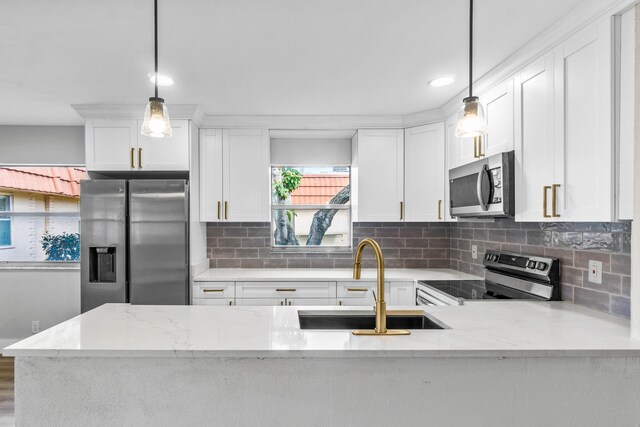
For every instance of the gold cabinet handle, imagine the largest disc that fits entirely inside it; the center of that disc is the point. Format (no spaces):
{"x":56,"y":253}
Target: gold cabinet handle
{"x":481,"y":146}
{"x":285,"y":289}
{"x":289,"y":302}
{"x":133,"y":160}
{"x":475,"y":147}
{"x":554,"y":197}
{"x":340,"y":302}
{"x":401,"y":210}
{"x":545,"y":190}
{"x":218,"y":209}
{"x":206,"y":291}
{"x":357,"y":289}
{"x":140,"y":158}
{"x":226,"y":210}
{"x":439,"y":209}
{"x":281,"y":302}
{"x":230,"y":302}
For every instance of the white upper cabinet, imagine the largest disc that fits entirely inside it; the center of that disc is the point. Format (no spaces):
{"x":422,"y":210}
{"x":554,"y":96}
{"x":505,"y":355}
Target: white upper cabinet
{"x":564,"y":133}
{"x":117,"y":145}
{"x":498,"y":105}
{"x":378,"y":175}
{"x":234,"y":175}
{"x":424,"y":173}
{"x":625,"y":59}
{"x":535,"y":146}
{"x":110,"y":145}
{"x":460,"y":151}
{"x":165,"y":154}
{"x":584,"y":109}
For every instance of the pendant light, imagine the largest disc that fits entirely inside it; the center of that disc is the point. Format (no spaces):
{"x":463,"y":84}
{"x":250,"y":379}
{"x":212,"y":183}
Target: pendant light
{"x":156,"y":116}
{"x":471,"y":121}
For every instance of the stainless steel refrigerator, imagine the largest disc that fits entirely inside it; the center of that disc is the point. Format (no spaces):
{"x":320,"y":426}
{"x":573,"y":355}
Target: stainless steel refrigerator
{"x":134,"y":242}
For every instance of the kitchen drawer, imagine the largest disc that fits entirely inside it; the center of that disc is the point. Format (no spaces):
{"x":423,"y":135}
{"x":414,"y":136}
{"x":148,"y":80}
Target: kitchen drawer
{"x":213,"y":290}
{"x":360,"y":289}
{"x":214,"y":301}
{"x":261,"y":301}
{"x":285,"y":290}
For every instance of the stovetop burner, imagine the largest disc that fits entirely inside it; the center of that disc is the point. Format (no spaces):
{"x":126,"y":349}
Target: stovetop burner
{"x":467,"y":289}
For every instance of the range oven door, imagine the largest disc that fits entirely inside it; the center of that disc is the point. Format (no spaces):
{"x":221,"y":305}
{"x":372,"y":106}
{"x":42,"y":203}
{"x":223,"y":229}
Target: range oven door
{"x":483,"y":188}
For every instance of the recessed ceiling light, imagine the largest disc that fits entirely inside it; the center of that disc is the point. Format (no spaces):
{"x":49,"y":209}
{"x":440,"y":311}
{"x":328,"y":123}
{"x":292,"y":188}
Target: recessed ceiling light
{"x":441,"y":82}
{"x":162,"y":80}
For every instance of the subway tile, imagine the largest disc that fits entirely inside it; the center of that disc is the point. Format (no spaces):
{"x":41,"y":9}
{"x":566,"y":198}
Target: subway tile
{"x":536,"y":237}
{"x":298,"y":263}
{"x":435,"y":253}
{"x":454,"y":254}
{"x":566,"y":292}
{"x":621,"y":264}
{"x":497,"y":236}
{"x":222,"y":253}
{"x":416,"y":263}
{"x":214,"y":231}
{"x":227,"y":263}
{"x":275,"y":263}
{"x":439,"y":243}
{"x":259,"y":232}
{"x":393,"y":263}
{"x":343,"y":263}
{"x":566,"y":256}
{"x":601,"y":241}
{"x":599,"y":227}
{"x":532,"y":250}
{"x":435,"y":232}
{"x":466,"y":233}
{"x":268,"y":253}
{"x":417,"y":243}
{"x":508,"y":247}
{"x":464,"y":245}
{"x":438,"y":263}
{"x":364,"y":232}
{"x":247,"y":253}
{"x":410,"y":253}
{"x":212,"y":242}
{"x":235,"y":232}
{"x":582,"y":259}
{"x":392,"y":242}
{"x":592,"y":299}
{"x":251,"y":263}
{"x":230,"y":242}
{"x":480,"y":234}
{"x":557,"y":226}
{"x":621,"y":306}
{"x":253,"y":242}
{"x":410,"y":232}
{"x":454,"y":233}
{"x":516,"y":236}
{"x":509,"y":224}
{"x":626,"y":286}
{"x":477,"y":270}
{"x":322,"y":263}
{"x":387,"y":232}
{"x":566,"y":239}
{"x":625,"y":242}
{"x":622,"y":226}
{"x":571,"y":276}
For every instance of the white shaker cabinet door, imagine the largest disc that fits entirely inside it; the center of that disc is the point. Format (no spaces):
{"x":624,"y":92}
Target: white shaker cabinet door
{"x":584,"y":170}
{"x":535,"y":146}
{"x":246,"y":175}
{"x":165,"y":154}
{"x":378,"y":172}
{"x":211,"y":175}
{"x":498,"y":107}
{"x":424,"y":173}
{"x":111,"y":145}
{"x":626,"y":105}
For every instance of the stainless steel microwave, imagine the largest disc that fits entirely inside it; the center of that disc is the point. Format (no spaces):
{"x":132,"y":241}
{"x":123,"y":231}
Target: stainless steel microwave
{"x":484,"y":188}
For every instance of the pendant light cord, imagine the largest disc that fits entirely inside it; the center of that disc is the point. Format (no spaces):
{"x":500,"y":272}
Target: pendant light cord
{"x":155,"y":39}
{"x":470,"y":48}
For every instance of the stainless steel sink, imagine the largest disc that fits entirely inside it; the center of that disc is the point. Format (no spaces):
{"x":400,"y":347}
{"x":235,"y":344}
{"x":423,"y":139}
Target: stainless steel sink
{"x":360,"y":319}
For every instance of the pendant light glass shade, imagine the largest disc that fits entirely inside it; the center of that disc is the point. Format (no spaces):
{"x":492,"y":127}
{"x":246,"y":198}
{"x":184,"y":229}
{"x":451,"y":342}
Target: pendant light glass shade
{"x":156,"y":122}
{"x":471,"y":121}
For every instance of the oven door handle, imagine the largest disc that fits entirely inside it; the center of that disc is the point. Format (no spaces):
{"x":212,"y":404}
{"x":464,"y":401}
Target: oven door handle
{"x":482,"y":176}
{"x":439,"y":300}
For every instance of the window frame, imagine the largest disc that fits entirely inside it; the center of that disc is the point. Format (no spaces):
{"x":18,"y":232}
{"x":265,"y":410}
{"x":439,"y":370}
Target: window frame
{"x":70,"y":264}
{"x":5,"y":216}
{"x":346,"y":249}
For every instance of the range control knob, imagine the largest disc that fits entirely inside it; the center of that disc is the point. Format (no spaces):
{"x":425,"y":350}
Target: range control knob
{"x":541,"y":266}
{"x":531,"y":264}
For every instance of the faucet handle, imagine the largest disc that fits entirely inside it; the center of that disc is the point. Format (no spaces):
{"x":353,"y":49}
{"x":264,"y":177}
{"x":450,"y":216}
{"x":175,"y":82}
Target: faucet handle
{"x":375,"y":297}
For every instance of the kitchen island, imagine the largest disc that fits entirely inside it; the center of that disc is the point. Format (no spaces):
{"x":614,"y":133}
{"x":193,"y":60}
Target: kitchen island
{"x":499,"y":363}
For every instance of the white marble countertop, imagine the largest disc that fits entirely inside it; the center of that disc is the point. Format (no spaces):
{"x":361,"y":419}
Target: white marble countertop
{"x":327,"y":274}
{"x":478,"y":329}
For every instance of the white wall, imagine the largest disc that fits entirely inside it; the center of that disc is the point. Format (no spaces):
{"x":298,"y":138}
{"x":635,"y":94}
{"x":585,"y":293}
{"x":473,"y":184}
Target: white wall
{"x":45,"y":145}
{"x":635,"y":234}
{"x":48,"y":295}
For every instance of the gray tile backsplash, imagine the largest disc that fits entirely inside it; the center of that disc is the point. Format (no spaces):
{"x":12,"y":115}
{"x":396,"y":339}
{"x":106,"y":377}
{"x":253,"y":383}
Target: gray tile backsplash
{"x":442,"y":245}
{"x":573,"y":243}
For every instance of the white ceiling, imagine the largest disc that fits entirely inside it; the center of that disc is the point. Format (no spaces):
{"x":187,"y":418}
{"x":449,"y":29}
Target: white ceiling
{"x":253,"y":57}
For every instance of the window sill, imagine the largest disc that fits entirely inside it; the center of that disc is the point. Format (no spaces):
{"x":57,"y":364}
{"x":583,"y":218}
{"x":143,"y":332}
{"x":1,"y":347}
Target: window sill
{"x":311,"y":250}
{"x":69,"y":266}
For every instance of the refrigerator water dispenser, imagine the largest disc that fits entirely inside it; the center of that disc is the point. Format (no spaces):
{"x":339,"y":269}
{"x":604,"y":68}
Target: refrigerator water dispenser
{"x":102,"y":264}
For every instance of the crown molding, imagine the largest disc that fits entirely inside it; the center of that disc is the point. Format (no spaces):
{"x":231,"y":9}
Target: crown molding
{"x":568,"y":25}
{"x":101,"y":111}
{"x":422,"y":118}
{"x":303,"y":122}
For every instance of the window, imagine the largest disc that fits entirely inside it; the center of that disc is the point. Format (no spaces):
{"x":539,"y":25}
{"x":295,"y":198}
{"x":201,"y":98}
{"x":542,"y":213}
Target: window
{"x":311,"y":207}
{"x":40,"y":213}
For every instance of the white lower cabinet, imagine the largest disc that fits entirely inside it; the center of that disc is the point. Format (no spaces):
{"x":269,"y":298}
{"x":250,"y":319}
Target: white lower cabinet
{"x":216,"y":301}
{"x":402,"y":293}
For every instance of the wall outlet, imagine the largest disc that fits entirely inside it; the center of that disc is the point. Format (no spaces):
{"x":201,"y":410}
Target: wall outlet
{"x":35,"y":326}
{"x":474,"y":251}
{"x":595,"y":271}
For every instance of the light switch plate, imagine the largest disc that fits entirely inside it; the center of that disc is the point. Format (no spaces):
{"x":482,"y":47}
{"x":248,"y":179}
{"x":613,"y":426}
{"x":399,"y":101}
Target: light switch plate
{"x":474,"y":251}
{"x":595,"y":271}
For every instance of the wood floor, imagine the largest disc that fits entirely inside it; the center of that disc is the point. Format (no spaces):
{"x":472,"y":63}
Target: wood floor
{"x":6,"y":392}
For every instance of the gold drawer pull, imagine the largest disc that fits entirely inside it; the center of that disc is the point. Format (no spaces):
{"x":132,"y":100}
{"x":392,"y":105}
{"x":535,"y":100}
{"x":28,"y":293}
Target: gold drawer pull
{"x":140,"y":158}
{"x":544,"y":201}
{"x":226,"y":210}
{"x":439,"y":209}
{"x":357,"y":289}
{"x":285,"y":289}
{"x":218,"y":209}
{"x":133,"y":161}
{"x":401,"y":210}
{"x":206,"y":291}
{"x":480,"y":145}
{"x":554,"y":204}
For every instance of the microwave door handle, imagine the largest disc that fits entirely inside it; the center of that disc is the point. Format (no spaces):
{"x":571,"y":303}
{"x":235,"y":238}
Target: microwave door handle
{"x":482,"y":175}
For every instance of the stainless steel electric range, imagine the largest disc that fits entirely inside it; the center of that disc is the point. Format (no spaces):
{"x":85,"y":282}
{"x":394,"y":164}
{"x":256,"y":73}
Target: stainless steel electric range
{"x":507,"y":276}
